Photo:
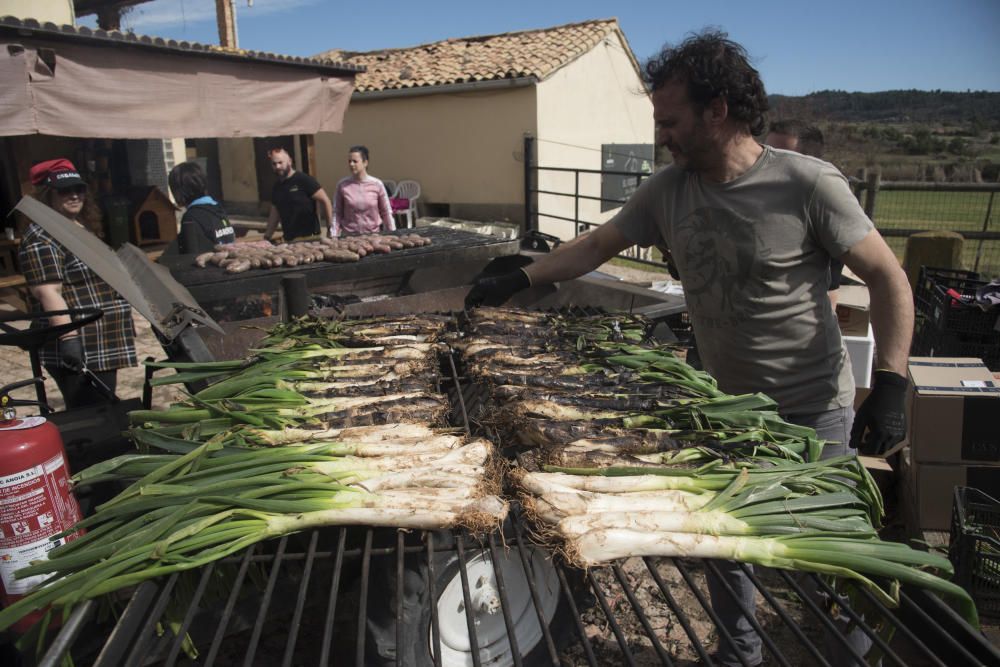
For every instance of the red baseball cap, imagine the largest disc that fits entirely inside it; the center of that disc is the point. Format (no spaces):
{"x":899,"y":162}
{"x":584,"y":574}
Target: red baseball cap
{"x":58,"y":173}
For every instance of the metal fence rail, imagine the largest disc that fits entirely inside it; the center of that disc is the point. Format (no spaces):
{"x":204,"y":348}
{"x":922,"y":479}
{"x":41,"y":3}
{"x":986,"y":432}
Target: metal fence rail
{"x":899,"y":210}
{"x":575,"y":225}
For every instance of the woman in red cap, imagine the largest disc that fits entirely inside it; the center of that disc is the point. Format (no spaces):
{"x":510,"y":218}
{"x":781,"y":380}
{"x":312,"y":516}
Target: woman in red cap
{"x":57,"y":280}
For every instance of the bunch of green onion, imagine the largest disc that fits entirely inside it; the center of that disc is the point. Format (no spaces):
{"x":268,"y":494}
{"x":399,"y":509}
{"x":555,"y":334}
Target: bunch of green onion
{"x":187,"y":510}
{"x":266,"y":450}
{"x":813,"y":517}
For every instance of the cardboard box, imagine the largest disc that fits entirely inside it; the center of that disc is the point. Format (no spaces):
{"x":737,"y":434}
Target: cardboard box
{"x":854,"y":310}
{"x":953,"y":411}
{"x":933,"y":488}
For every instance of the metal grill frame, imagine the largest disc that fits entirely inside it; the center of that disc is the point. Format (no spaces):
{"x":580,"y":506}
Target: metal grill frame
{"x":449,"y":246}
{"x":938,"y":636}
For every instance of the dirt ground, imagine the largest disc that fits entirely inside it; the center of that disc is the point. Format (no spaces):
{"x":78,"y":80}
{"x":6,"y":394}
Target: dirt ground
{"x":17,"y":367}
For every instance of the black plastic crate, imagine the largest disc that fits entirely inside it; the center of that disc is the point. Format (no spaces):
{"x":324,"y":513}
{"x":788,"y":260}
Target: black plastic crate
{"x":974,"y":548}
{"x":928,"y":341}
{"x":951,"y":315}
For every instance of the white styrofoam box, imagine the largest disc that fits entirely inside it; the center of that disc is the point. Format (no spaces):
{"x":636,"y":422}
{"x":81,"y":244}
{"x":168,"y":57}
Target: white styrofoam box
{"x":862,"y":351}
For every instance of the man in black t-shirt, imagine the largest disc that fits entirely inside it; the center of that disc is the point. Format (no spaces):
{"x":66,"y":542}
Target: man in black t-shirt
{"x":294,"y":200}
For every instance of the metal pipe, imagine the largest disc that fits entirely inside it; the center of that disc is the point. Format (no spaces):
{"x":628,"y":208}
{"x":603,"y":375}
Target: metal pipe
{"x":265,"y":603}
{"x":788,"y":621}
{"x":504,"y":601}
{"x":674,"y":607}
{"x":400,"y":594}
{"x":113,"y":652}
{"x":470,"y":623}
{"x":300,"y":601}
{"x":637,"y":610}
{"x":610,"y":617}
{"x":68,"y":634}
{"x":227,"y":613}
{"x":366,"y":561}
{"x":139,"y":650}
{"x":986,"y":226}
{"x":432,"y":596}
{"x":178,"y":643}
{"x":294,"y":296}
{"x":331,"y":606}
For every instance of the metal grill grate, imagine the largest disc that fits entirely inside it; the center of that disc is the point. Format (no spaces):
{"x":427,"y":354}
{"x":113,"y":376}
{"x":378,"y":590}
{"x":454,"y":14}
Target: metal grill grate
{"x":310,"y":599}
{"x":449,"y":246}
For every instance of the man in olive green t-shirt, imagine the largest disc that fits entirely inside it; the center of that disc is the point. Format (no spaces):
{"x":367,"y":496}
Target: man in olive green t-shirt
{"x":752,"y":231}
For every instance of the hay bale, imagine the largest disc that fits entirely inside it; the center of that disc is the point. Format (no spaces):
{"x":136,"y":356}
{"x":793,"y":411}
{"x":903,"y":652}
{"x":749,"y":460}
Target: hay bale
{"x":940,"y":249}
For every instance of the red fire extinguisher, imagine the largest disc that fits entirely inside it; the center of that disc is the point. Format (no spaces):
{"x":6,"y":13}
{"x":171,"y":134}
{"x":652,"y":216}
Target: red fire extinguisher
{"x":35,"y":497}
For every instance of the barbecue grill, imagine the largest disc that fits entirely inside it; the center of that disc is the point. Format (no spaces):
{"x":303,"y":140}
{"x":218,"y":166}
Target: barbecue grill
{"x":373,"y":596}
{"x":451,"y":249}
{"x":338,"y":596}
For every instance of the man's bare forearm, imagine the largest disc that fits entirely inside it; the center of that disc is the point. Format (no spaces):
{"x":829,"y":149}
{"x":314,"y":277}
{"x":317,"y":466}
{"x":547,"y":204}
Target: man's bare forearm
{"x":577,"y":257}
{"x":892,"y":320}
{"x":891,"y":299}
{"x":272,"y":224}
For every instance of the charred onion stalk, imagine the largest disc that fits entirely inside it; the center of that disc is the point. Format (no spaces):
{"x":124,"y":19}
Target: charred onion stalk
{"x":613,"y":413}
{"x":310,"y":371}
{"x":564,"y":383}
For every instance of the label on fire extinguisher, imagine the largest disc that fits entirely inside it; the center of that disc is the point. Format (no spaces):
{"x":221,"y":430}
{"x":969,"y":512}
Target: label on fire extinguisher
{"x":18,"y":424}
{"x":35,"y":504}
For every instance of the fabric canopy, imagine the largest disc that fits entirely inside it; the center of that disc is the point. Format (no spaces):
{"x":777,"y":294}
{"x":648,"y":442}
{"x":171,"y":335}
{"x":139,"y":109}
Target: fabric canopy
{"x":79,"y":90}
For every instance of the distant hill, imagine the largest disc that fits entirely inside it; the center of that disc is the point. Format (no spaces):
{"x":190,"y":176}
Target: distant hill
{"x":892,"y":106}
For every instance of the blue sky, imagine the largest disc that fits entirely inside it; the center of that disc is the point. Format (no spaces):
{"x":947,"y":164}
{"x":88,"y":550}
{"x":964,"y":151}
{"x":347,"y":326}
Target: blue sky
{"x":799,"y":47}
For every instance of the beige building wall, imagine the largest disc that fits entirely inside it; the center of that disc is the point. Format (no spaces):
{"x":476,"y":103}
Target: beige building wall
{"x":238,"y":171}
{"x":596,"y":99}
{"x":59,"y":12}
{"x":465,"y":149}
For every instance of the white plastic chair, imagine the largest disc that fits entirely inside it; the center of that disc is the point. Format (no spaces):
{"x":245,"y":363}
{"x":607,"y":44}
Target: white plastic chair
{"x":408,"y":190}
{"x":390,"y":186}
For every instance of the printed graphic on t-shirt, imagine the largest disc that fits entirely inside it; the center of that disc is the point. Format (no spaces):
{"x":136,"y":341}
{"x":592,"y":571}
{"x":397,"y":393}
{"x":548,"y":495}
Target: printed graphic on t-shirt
{"x":719,"y":255}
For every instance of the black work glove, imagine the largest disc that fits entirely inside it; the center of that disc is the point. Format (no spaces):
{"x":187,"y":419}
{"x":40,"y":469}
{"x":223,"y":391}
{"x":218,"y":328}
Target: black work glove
{"x":496,"y":290}
{"x":882,"y":414}
{"x":70,"y":351}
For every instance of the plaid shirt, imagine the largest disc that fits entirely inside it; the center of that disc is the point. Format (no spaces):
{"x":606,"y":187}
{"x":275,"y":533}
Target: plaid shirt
{"x":108,"y":342}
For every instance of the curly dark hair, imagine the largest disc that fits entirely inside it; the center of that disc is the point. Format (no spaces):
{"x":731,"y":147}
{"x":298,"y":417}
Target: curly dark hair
{"x":712,"y":66}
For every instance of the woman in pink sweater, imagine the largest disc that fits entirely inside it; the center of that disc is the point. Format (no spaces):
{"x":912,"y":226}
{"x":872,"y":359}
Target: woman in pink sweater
{"x":361,"y":204}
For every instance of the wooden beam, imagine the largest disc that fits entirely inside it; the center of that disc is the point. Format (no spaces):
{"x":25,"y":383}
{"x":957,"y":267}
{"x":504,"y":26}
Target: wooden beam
{"x":226,"y":19}
{"x":310,"y":154}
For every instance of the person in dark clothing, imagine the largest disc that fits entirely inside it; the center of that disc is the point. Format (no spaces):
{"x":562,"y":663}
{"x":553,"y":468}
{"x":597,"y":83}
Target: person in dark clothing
{"x":294,"y":200}
{"x":58,"y":280}
{"x":205,"y":223}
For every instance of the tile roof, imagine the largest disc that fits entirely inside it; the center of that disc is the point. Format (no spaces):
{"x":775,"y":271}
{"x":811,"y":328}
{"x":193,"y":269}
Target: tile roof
{"x":83,"y":34}
{"x":511,"y":55}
